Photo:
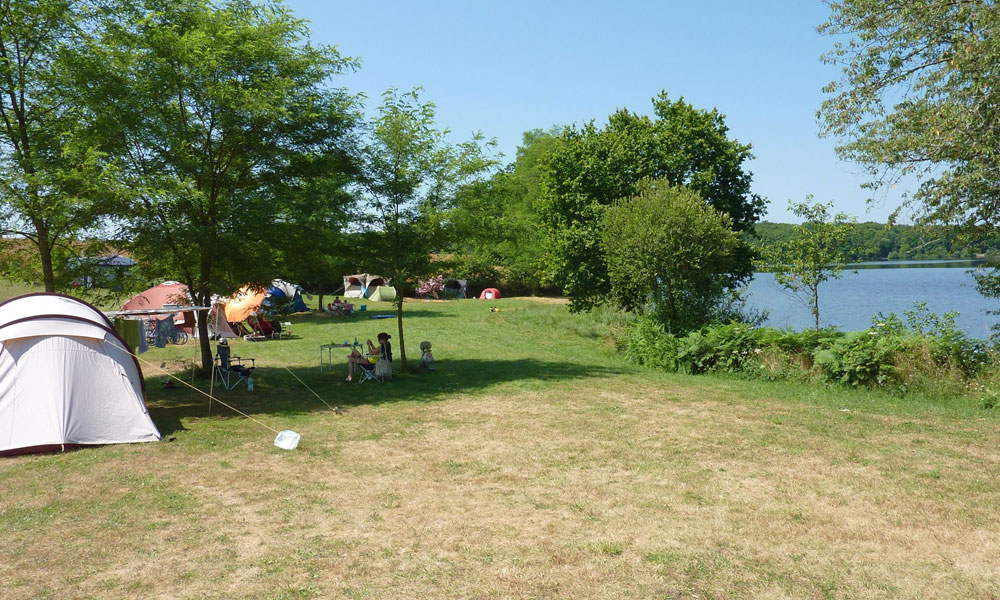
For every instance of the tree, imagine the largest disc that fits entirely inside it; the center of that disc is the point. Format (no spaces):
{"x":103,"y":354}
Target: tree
{"x":221,"y":116}
{"x":495,"y":223}
{"x":669,"y":251}
{"x":590,"y":168}
{"x":410,"y":175}
{"x":919,"y":95}
{"x":316,"y":248}
{"x":815,"y":254}
{"x":54,"y":182}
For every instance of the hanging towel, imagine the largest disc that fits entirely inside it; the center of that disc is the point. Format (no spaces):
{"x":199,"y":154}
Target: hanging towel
{"x":143,"y":342}
{"x":129,"y":331}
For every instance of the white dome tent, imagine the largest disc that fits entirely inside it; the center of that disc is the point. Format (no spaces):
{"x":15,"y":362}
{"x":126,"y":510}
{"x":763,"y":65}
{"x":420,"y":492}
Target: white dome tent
{"x":66,"y":378}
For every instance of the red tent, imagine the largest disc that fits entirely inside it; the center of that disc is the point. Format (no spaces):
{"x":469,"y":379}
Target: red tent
{"x":490,"y":294}
{"x":168,"y":292}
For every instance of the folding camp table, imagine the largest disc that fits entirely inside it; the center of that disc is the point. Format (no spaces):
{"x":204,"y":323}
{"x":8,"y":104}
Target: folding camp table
{"x":326,"y":354}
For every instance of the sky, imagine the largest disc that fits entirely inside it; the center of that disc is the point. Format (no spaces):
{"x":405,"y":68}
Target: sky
{"x":506,"y":67}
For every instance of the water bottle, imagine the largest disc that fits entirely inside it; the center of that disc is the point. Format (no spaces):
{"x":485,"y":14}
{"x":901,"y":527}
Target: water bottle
{"x":249,"y":384}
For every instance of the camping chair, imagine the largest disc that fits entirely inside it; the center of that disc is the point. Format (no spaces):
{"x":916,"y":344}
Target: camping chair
{"x":230,"y":371}
{"x":382,"y":370}
{"x":341,"y":309}
{"x":244,"y":331}
{"x":282,"y":329}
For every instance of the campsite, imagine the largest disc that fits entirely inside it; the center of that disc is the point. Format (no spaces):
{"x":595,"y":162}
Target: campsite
{"x":305,"y":299}
{"x":521,"y":467}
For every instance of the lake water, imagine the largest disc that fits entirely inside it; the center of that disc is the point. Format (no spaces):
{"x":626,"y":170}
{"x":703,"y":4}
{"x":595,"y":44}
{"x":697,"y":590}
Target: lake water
{"x":850,"y":302}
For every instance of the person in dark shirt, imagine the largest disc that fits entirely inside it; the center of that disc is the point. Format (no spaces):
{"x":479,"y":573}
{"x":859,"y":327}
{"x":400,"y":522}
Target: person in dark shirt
{"x":384,"y":350}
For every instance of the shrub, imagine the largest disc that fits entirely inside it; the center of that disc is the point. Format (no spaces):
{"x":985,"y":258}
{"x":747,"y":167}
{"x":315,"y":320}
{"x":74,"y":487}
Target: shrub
{"x":859,"y":358}
{"x":430,"y":287}
{"x":924,"y":352}
{"x":649,"y":344}
{"x":721,"y":347}
{"x":671,"y":254}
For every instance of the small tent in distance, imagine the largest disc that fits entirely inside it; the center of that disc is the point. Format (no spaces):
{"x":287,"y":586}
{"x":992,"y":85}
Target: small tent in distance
{"x":66,"y":378}
{"x":244,"y":303}
{"x":283,"y":297}
{"x":280,"y":297}
{"x":490,"y":294}
{"x":363,"y":285}
{"x":354,"y":285}
{"x":455,"y":288}
{"x":172,"y":293}
{"x":167,"y":294}
{"x":383,"y":293}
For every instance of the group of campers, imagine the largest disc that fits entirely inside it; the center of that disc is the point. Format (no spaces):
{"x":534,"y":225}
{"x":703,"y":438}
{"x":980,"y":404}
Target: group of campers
{"x":97,"y":394}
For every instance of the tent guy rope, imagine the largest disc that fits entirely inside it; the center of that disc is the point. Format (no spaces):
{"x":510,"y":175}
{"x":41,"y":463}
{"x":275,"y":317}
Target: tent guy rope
{"x":209,"y":396}
{"x":311,"y":390}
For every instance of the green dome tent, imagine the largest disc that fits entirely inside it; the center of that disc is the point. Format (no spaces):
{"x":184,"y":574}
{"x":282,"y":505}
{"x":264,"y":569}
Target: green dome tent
{"x":383,"y":293}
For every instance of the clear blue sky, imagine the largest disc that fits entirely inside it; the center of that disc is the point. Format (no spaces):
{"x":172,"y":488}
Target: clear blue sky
{"x":506,"y":67}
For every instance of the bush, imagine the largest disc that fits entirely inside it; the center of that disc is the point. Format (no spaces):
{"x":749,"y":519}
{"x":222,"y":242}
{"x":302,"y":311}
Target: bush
{"x":925,"y":351}
{"x":670,"y":254}
{"x":726,"y":348}
{"x":859,"y":358}
{"x":649,"y":344}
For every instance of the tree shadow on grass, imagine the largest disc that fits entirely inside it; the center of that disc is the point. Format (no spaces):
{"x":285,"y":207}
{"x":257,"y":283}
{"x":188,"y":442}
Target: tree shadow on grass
{"x":278,"y":392}
{"x":364,"y":315}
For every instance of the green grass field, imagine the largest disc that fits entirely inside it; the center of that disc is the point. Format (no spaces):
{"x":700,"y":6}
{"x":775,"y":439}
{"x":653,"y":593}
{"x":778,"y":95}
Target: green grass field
{"x":535,"y":463}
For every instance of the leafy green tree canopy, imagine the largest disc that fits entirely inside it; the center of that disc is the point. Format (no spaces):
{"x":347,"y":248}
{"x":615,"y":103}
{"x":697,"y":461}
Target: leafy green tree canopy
{"x":222,"y":117}
{"x":669,"y":251}
{"x":55,"y":184}
{"x":495,"y":229}
{"x":919,"y":95}
{"x":592,"y":167}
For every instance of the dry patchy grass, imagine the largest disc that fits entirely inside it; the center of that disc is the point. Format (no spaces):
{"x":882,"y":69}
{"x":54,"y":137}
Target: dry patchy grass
{"x":603,"y":485}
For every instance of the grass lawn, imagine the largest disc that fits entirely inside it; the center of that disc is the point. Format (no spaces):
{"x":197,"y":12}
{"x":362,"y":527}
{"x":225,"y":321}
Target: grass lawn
{"x":535,"y":463}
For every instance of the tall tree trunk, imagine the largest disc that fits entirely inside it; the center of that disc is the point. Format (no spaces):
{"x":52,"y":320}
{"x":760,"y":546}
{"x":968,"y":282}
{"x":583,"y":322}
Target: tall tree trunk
{"x":815,"y":305}
{"x":399,"y":324}
{"x":204,"y":298}
{"x":320,"y":302}
{"x":206,"y":343}
{"x":45,"y":253}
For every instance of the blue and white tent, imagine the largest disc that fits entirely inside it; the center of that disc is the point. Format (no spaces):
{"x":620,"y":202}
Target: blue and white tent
{"x":284,"y":297}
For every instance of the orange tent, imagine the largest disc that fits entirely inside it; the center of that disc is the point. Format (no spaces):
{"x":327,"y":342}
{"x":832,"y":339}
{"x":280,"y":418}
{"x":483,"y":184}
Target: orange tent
{"x":243,"y":304}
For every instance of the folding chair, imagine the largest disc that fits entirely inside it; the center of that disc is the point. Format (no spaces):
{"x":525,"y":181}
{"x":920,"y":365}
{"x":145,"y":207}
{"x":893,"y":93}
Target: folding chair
{"x":244,"y":331}
{"x":382,"y":369}
{"x":369,"y":374}
{"x":282,"y":329}
{"x":230,"y":371}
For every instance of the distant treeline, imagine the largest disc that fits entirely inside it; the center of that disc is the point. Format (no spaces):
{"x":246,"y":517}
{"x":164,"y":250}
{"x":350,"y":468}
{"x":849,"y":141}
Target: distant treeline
{"x":878,"y":241}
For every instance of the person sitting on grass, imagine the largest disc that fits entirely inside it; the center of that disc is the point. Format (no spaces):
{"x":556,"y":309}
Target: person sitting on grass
{"x":384,"y":350}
